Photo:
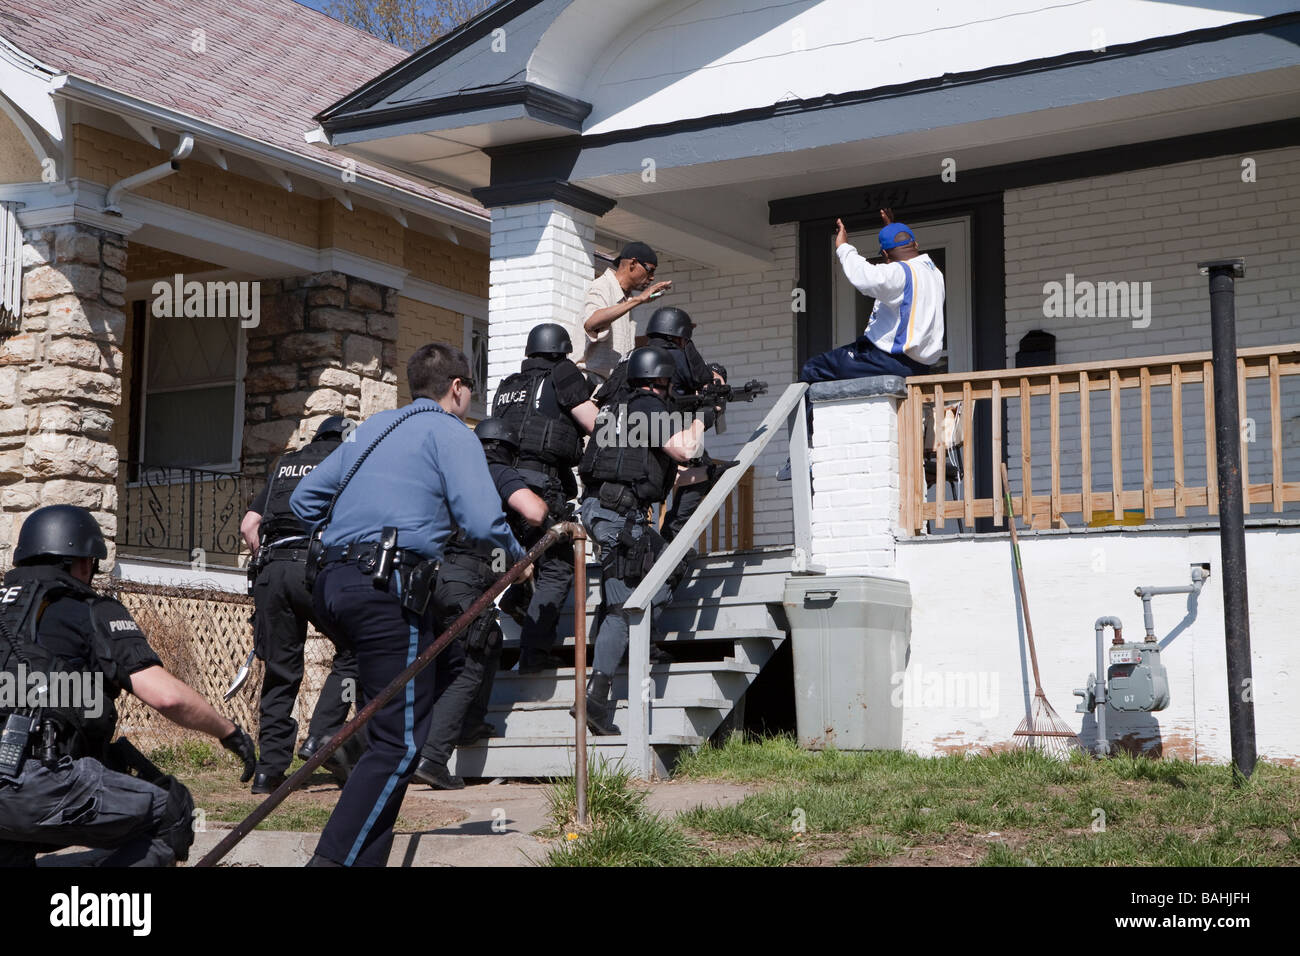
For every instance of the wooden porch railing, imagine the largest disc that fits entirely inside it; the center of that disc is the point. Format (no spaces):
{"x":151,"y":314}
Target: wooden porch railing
{"x":732,"y":527}
{"x":1001,"y":388}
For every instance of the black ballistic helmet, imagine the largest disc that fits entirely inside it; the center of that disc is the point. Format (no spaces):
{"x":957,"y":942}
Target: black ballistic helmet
{"x":548,"y":338}
{"x":649,"y":362}
{"x":64,"y":531}
{"x":497,"y":429}
{"x":334,"y":425}
{"x":670,"y":321}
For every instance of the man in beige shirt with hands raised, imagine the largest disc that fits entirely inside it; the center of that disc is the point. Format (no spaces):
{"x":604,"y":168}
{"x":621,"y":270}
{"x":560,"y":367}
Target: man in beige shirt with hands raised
{"x":607,"y":326}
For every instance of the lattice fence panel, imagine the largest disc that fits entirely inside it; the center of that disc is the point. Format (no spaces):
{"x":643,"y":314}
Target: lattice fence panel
{"x":203,"y":637}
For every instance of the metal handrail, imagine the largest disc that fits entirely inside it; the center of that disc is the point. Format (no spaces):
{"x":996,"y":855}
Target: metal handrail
{"x":790,"y":410}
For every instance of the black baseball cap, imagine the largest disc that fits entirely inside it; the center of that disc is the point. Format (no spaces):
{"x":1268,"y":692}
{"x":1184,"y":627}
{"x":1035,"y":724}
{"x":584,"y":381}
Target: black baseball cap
{"x":638,"y":251}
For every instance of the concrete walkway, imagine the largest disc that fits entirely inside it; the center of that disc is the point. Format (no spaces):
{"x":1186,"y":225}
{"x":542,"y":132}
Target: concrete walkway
{"x":494,"y":826}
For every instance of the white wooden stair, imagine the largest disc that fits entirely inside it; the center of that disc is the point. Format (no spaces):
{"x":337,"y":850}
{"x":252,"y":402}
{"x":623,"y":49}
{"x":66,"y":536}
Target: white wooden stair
{"x":723,"y":625}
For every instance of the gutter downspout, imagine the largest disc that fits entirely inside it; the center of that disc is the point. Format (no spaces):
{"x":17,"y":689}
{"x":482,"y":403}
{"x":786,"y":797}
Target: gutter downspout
{"x":153,"y":174}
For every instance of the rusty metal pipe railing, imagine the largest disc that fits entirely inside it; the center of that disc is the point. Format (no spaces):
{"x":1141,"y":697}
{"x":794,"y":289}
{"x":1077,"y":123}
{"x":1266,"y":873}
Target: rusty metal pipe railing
{"x":580,"y":672}
{"x":556,"y":533}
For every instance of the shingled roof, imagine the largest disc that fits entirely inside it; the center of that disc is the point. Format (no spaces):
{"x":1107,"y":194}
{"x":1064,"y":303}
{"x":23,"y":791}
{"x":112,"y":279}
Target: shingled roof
{"x":267,"y":68}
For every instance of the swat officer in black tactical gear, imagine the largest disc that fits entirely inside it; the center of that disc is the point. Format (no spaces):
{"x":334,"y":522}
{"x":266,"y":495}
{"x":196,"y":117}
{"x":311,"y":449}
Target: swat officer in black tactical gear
{"x":670,"y":329}
{"x":547,"y":403}
{"x":627,"y":468}
{"x":278,"y":542}
{"x":467,"y":667}
{"x":61,"y":781}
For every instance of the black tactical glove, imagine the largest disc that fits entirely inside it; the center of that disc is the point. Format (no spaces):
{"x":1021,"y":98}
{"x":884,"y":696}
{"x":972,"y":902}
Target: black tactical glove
{"x":241,"y":745}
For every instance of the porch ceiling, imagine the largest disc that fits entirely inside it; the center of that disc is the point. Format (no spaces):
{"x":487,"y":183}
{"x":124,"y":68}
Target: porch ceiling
{"x":714,"y":176}
{"x":717,"y":212}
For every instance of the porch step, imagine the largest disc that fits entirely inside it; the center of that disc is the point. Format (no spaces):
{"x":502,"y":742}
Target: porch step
{"x":688,"y":717}
{"x":712,"y":679}
{"x":551,"y":757}
{"x":668,"y":637}
{"x":728,"y":609}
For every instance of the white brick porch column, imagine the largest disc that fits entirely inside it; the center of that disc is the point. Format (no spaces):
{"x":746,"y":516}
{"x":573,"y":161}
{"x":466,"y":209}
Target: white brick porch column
{"x":542,"y":263}
{"x":855,"y":474}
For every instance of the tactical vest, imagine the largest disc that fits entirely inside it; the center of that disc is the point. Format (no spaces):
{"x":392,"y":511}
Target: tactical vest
{"x":22,"y":602}
{"x":648,"y":471}
{"x":547,"y":433}
{"x":278,"y":520}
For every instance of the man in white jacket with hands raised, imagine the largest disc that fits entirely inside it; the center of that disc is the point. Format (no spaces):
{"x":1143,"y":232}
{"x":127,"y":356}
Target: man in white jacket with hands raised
{"x":905,"y":334}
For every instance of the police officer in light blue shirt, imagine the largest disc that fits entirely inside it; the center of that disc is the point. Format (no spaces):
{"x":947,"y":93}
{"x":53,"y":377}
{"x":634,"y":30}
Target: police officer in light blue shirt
{"x":425,"y":477}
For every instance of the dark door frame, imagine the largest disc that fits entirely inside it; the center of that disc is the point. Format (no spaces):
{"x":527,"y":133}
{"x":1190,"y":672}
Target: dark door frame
{"x":814,"y":328}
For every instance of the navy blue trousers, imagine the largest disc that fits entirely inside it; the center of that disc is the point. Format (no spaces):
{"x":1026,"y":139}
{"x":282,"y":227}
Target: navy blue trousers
{"x":385,"y":639}
{"x":858,"y":359}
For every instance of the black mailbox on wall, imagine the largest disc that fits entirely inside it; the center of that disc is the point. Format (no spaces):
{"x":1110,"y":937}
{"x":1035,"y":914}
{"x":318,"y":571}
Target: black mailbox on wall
{"x":1036,"y":348}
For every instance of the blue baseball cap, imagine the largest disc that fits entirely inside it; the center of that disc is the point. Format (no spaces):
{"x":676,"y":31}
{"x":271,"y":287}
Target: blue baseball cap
{"x":894,"y":235}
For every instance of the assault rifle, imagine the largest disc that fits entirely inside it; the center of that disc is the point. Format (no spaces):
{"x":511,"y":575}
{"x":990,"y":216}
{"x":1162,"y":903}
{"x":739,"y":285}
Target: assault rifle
{"x":720,"y":393}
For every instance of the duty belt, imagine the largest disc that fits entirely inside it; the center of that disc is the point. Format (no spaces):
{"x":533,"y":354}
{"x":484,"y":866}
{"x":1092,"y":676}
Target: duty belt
{"x":617,"y":497}
{"x":366,"y":554}
{"x":286,"y":554}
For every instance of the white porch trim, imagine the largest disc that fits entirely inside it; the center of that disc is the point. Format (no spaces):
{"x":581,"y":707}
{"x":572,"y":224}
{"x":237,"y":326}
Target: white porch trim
{"x":430,"y":293}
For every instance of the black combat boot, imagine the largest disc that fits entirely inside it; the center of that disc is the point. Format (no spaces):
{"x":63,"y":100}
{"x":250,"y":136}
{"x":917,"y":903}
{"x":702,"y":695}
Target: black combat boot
{"x":311,"y":745}
{"x":533,"y":661}
{"x":469,"y":735}
{"x":437,"y":776}
{"x":600,"y":709}
{"x":267,"y":782}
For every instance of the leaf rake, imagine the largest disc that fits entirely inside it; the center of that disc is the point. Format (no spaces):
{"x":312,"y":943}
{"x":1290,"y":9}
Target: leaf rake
{"x":1042,"y":729}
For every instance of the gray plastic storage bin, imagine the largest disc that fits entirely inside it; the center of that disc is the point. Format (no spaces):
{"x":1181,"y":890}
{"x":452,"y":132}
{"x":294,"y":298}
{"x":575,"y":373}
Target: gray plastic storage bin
{"x":850,"y":637}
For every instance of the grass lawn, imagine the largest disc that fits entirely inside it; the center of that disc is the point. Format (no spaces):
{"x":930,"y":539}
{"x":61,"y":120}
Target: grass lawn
{"x":1014,"y":809}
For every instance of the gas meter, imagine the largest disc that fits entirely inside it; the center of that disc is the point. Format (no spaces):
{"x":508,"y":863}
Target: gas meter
{"x":1136,"y":677}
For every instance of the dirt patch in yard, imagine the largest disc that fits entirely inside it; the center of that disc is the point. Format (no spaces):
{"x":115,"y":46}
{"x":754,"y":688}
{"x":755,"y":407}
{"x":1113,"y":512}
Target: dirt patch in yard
{"x":956,"y":848}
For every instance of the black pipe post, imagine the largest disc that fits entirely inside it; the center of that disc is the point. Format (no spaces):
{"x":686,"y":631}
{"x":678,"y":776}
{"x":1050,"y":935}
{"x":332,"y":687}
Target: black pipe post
{"x":1232,"y":525}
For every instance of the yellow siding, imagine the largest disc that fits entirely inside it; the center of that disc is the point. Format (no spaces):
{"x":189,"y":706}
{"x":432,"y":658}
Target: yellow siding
{"x":364,"y":231}
{"x":418,"y":324}
{"x":146,"y":262}
{"x":18,"y":164}
{"x":436,"y":260}
{"x":199,"y":188}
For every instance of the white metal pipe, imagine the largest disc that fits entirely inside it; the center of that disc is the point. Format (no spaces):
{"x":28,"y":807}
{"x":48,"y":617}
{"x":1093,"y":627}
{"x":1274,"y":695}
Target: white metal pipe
{"x":153,"y":174}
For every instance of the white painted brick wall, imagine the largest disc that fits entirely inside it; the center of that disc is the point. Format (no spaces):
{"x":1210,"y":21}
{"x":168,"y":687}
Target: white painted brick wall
{"x":745,"y":322}
{"x":542,"y":263}
{"x":1153,"y":226}
{"x":965,"y":622}
{"x":855,"y":484}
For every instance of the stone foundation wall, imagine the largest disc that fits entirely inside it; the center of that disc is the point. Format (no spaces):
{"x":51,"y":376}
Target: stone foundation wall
{"x":326,"y":345}
{"x":61,"y":378}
